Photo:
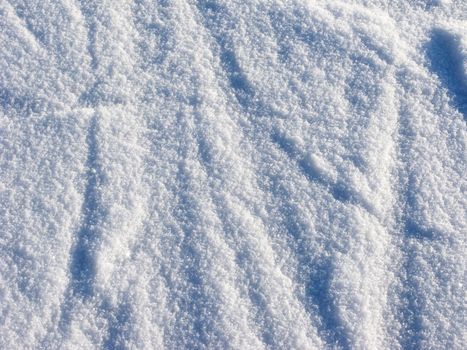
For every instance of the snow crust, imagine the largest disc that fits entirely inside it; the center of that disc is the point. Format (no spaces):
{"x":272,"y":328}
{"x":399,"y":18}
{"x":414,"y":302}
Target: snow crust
{"x":233,"y":174}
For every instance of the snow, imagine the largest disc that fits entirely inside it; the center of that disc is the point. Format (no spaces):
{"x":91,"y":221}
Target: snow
{"x":233,"y":174}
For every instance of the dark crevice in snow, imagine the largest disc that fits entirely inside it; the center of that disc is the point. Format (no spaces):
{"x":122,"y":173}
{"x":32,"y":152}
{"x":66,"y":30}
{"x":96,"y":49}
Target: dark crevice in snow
{"x":415,"y":230}
{"x":82,"y":266}
{"x":10,"y":100}
{"x":446,"y":62}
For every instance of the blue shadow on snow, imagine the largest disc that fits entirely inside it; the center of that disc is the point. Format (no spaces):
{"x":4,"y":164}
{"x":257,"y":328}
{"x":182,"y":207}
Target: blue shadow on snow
{"x":446,"y":61}
{"x":83,"y":267}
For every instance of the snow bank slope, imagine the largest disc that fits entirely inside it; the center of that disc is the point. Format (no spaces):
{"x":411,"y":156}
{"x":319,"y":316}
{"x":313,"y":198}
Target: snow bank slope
{"x":233,"y":174}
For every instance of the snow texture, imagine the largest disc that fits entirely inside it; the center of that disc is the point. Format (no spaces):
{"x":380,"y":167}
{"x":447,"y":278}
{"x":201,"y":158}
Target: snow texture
{"x":233,"y":174}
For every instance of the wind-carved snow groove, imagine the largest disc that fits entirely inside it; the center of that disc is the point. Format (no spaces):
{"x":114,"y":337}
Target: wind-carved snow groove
{"x":82,"y":261}
{"x":318,"y":298}
{"x":322,"y":298}
{"x":82,"y":290}
{"x":339,"y":191}
{"x":249,"y":103}
{"x":248,"y":259}
{"x":261,"y":314}
{"x":188,"y":282}
{"x":269,"y":324}
{"x":410,"y":309}
{"x":357,"y":91}
{"x":446,"y":62}
{"x":318,"y":273}
{"x":37,"y":35}
{"x":211,"y":12}
{"x":213,"y":20}
{"x":83,"y":257}
{"x":94,"y":95}
{"x":82,"y":267}
{"x":196,"y":300}
{"x":89,"y":97}
{"x":411,"y":228}
{"x":195,"y":303}
{"x":20,"y":103}
{"x":314,"y":271}
{"x":267,"y":327}
{"x":193,"y":300}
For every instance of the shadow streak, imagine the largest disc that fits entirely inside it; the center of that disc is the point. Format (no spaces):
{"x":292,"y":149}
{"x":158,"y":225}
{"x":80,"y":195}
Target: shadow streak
{"x":83,"y":269}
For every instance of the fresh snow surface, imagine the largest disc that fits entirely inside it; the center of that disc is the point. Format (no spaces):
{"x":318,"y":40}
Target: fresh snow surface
{"x":233,"y":174}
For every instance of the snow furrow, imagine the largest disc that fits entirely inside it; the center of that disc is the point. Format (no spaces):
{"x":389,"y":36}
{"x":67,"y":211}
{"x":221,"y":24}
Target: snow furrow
{"x":425,"y":271}
{"x":309,"y":165}
{"x":207,"y":174}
